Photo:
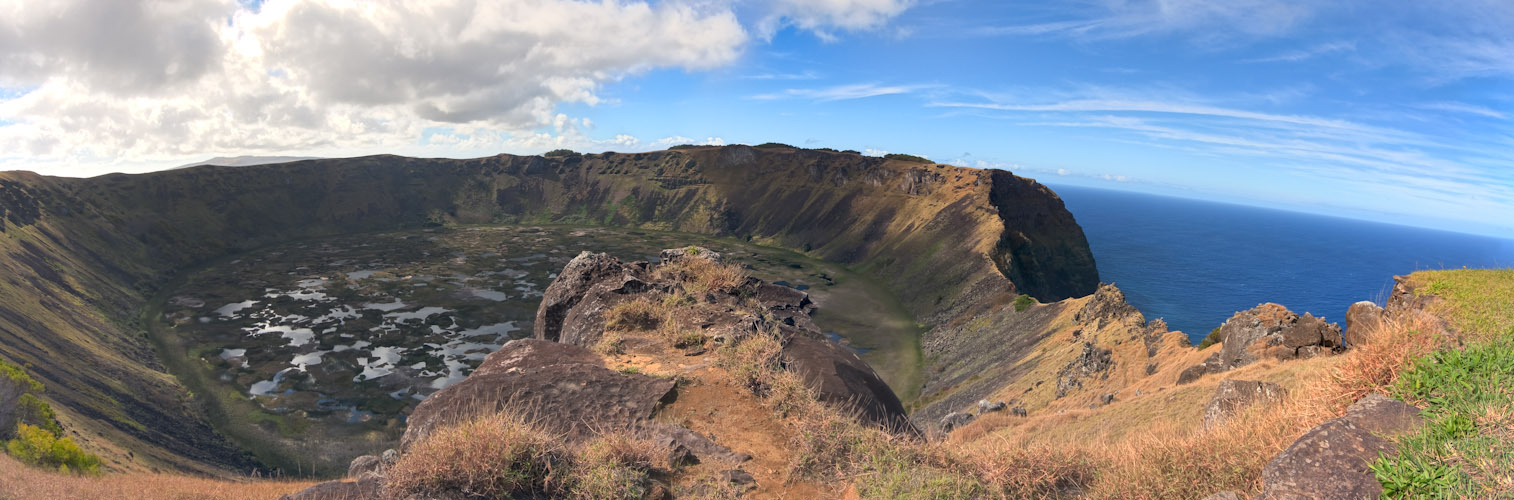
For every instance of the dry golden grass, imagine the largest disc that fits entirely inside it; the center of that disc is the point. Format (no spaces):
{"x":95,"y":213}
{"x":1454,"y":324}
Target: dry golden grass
{"x":20,"y":482}
{"x":494,"y":454}
{"x":700,"y":275}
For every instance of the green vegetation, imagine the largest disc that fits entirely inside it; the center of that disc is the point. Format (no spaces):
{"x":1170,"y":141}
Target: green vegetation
{"x":905,"y":157}
{"x":1024,"y":302}
{"x":1211,"y":339}
{"x":34,"y":411}
{"x":1477,"y":301}
{"x":774,"y":145}
{"x":16,"y":374}
{"x":682,"y":146}
{"x":560,"y":153}
{"x":1465,"y":450}
{"x":1467,"y":393}
{"x":40,"y":447}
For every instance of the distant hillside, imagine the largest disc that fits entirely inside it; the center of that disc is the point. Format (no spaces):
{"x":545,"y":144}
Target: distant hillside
{"x":82,"y":256}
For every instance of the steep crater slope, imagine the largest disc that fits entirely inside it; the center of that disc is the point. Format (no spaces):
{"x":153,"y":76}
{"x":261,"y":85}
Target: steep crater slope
{"x":81,"y":256}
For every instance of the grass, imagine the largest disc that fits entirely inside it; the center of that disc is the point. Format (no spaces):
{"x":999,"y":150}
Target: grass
{"x":1476,"y":301}
{"x":1467,"y":450}
{"x":500,"y":455}
{"x":1023,"y":302}
{"x":21,"y":482}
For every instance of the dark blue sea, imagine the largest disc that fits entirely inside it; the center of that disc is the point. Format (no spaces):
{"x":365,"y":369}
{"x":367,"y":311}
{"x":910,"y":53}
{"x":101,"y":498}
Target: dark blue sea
{"x":1194,"y":263}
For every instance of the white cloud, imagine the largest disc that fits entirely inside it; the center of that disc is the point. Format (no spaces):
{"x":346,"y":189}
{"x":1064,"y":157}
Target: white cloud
{"x":678,"y":140}
{"x":134,"y":82}
{"x":844,"y":92}
{"x":821,"y":16}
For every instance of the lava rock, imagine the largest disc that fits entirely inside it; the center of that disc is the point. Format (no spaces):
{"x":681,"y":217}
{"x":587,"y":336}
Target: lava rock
{"x":555,"y":386}
{"x":839,"y":377}
{"x":1331,"y":460}
{"x":953,"y":421}
{"x":984,"y":406}
{"x":1234,"y":396}
{"x":1093,"y":361}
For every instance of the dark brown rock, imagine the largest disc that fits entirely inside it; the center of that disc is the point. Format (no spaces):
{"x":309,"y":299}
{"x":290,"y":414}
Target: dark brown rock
{"x":367,"y":489}
{"x":679,"y":441}
{"x":1107,"y":305}
{"x":1212,"y":364}
{"x":839,"y":377}
{"x":1331,"y":460}
{"x":1362,"y":320}
{"x":1271,"y":330}
{"x":564,"y":393}
{"x":1234,"y":396}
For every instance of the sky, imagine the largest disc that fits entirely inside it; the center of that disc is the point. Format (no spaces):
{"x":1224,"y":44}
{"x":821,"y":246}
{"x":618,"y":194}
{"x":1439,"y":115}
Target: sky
{"x":1389,"y":110}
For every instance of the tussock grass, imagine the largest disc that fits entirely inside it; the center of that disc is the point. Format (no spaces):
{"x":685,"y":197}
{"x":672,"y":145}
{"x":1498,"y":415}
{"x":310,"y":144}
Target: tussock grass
{"x":700,"y":275}
{"x":502,"y":455}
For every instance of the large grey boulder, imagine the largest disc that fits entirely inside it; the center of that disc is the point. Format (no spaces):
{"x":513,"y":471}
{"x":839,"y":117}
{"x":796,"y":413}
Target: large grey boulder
{"x":1331,"y":460}
{"x":1235,"y":396}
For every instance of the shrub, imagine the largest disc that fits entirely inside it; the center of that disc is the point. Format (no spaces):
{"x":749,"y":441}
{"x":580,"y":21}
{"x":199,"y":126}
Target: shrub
{"x":560,"y":153}
{"x":33,"y":410}
{"x":16,"y":374}
{"x":905,"y":157}
{"x":1211,"y":339}
{"x":682,"y":146}
{"x":40,"y":447}
{"x":1023,"y":302}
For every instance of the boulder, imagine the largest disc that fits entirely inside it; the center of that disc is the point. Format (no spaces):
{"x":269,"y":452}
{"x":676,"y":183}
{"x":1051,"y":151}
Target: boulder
{"x":955,"y":420}
{"x":839,"y":377}
{"x":1234,"y":396}
{"x":1362,"y":320}
{"x":671,"y":255}
{"x":556,"y":385}
{"x":367,"y":489}
{"x":1271,"y":330}
{"x":984,"y":406}
{"x":1107,"y":306}
{"x":1331,"y":460}
{"x":573,"y":285}
{"x":1212,"y":364}
{"x":681,"y":444}
{"x":1019,"y":411}
{"x":364,"y":464}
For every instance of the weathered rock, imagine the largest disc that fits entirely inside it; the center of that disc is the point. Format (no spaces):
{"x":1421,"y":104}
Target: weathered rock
{"x":953,"y":421}
{"x":1234,"y":396}
{"x":554,"y":385}
{"x":839,"y":377}
{"x":1106,"y":399}
{"x":365,"y":463}
{"x":1093,"y":361}
{"x":1019,"y":411}
{"x":366,"y":489}
{"x":1271,"y":330}
{"x":984,"y":406}
{"x":1362,"y":320}
{"x":1331,"y":460}
{"x":1212,"y":364}
{"x":574,"y":285}
{"x":1108,"y":305}
{"x":671,"y":255}
{"x":677,"y":440}
{"x":741,"y":479}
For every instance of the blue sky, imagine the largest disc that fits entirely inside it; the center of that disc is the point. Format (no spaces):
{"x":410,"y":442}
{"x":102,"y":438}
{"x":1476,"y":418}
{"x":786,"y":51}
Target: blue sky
{"x":1387,"y":110}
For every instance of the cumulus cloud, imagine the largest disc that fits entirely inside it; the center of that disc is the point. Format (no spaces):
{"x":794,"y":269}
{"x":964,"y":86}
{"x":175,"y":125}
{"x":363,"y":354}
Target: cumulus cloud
{"x":145,"y":80}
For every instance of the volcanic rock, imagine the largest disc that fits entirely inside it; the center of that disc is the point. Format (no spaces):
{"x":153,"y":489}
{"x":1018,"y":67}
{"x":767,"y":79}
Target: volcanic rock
{"x":1362,"y":320}
{"x":1234,"y":396}
{"x":1331,"y":460}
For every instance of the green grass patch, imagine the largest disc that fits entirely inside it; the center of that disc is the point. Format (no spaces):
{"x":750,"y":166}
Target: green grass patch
{"x":1466,"y":450}
{"x":1024,"y":302}
{"x":1479,"y":302}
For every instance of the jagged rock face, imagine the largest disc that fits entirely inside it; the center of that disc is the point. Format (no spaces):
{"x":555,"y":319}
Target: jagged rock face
{"x":1272,"y":330}
{"x":1036,"y":250}
{"x":1331,"y":460}
{"x":1093,"y":362}
{"x":593,"y":283}
{"x":1235,"y":396}
{"x":1108,"y":305}
{"x":566,"y":388}
{"x":1362,"y":320}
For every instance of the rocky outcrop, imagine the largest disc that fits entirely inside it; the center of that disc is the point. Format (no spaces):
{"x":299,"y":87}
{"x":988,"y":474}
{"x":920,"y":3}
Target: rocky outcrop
{"x":593,"y":283}
{"x":1362,"y":321}
{"x":1268,"y":331}
{"x":1331,"y":460}
{"x":1093,"y":362}
{"x":1235,"y":396}
{"x":565,"y":387}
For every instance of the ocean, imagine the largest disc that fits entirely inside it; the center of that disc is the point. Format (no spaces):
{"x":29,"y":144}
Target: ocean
{"x":1195,"y":263}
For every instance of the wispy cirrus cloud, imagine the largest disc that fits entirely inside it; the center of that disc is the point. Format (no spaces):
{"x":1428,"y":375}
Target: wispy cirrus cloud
{"x":844,"y":92}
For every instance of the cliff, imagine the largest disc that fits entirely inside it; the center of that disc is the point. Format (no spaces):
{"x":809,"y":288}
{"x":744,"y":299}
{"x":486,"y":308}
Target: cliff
{"x":83,"y":256}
